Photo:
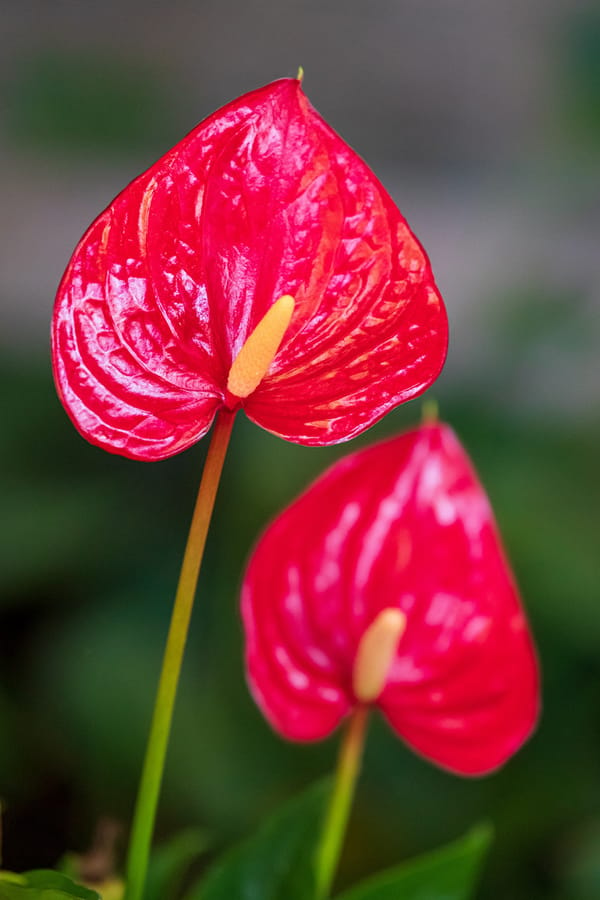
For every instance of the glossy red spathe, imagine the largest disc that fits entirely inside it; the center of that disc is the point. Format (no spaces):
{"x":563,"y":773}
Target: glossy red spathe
{"x":261,"y":200}
{"x":402,"y":525}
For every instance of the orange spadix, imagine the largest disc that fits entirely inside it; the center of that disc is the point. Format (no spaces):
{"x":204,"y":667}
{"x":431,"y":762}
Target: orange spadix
{"x":376,"y":653}
{"x":258,"y":351}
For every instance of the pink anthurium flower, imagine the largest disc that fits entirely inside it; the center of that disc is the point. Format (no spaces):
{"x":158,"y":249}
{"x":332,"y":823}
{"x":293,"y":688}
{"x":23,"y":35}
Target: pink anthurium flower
{"x":260,"y":264}
{"x":386,"y":584}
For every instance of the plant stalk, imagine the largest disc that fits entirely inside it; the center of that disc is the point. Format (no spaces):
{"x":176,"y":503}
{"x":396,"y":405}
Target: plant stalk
{"x":336,"y":819}
{"x":156,"y":748}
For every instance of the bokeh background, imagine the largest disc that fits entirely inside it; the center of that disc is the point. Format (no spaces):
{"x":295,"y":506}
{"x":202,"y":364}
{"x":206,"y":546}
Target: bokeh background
{"x":483,"y":120}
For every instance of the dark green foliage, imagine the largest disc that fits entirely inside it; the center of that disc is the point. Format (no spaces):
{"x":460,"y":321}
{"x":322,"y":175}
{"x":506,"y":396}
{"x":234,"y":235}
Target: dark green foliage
{"x":450,"y":873}
{"x":277,"y":862}
{"x":170,"y":862}
{"x":90,"y":546}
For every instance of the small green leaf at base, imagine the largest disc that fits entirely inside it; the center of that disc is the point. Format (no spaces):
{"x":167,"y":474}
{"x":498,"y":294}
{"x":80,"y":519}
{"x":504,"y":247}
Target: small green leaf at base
{"x":42,"y":884}
{"x":450,"y":873}
{"x":277,"y":863}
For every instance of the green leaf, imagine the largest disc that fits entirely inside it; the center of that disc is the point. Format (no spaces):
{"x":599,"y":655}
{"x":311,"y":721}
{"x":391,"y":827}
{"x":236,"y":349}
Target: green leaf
{"x":170,"y":862}
{"x":47,"y":878}
{"x":277,"y":862}
{"x":42,"y":884}
{"x":449,"y":873}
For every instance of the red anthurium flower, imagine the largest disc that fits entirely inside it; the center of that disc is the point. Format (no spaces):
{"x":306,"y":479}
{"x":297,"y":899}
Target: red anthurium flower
{"x":259,"y":264}
{"x":386,"y":583}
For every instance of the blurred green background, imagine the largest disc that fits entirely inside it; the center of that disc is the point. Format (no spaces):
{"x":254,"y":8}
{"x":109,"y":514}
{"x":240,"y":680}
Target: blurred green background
{"x":484,"y":122}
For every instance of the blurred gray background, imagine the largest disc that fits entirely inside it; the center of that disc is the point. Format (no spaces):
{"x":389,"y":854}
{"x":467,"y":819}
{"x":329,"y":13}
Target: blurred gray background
{"x":481,"y":118}
{"x":483,"y":121}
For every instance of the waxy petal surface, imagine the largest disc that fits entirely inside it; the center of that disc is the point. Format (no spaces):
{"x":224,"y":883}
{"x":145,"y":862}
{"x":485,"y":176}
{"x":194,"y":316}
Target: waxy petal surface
{"x":262,"y":199}
{"x":404,"y":524}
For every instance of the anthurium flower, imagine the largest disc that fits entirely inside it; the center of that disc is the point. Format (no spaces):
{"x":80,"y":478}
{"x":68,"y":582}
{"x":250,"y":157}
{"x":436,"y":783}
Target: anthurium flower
{"x":386,"y":584}
{"x":260,"y":264}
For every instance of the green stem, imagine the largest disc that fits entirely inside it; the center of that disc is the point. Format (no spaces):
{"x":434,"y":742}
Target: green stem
{"x":336,"y":819}
{"x":156,"y":748}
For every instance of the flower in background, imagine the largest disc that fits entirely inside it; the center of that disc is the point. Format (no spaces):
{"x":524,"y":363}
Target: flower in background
{"x":260,"y":264}
{"x":386,"y":584}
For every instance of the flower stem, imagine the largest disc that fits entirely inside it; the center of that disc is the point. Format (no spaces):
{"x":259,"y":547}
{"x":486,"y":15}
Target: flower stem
{"x":336,"y":819}
{"x":156,"y":749}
